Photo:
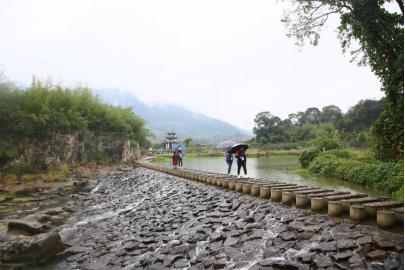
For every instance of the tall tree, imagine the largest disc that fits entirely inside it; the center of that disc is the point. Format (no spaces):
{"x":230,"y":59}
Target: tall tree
{"x":331,"y":114}
{"x":268,"y":128}
{"x":380,"y":38}
{"x":312,"y":116}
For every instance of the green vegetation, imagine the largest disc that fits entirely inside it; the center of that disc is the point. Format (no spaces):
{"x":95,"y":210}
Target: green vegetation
{"x":301,"y":128}
{"x":378,"y":35}
{"x":328,"y":158}
{"x":43,"y":112}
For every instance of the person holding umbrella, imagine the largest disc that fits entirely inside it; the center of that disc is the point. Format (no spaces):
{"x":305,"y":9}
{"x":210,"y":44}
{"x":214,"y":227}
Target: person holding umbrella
{"x":228,"y":154}
{"x":229,"y":160}
{"x":240,"y":154}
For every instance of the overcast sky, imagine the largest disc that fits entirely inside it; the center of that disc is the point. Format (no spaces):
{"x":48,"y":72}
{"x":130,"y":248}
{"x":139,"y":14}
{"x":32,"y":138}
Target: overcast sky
{"x":226,"y":59}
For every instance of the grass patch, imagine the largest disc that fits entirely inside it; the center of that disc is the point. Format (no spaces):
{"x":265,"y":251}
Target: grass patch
{"x":27,"y":178}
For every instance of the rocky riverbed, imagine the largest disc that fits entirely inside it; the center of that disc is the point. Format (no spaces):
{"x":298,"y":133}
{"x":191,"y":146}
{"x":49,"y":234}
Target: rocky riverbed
{"x":142,"y":219}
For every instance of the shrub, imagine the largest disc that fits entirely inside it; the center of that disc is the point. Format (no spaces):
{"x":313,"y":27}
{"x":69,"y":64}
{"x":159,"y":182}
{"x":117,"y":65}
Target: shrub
{"x":10,"y":179}
{"x":26,"y":178}
{"x":7,"y":153}
{"x":385,"y":176}
{"x":64,"y":170}
{"x":322,"y":144}
{"x":307,"y":156}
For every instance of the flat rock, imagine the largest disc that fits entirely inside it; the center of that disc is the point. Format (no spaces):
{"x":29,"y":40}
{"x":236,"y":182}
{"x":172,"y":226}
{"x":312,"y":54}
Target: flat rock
{"x":376,"y":254}
{"x":230,"y":241}
{"x":26,"y":227}
{"x":342,"y":255}
{"x":322,"y":261}
{"x":367,"y":239}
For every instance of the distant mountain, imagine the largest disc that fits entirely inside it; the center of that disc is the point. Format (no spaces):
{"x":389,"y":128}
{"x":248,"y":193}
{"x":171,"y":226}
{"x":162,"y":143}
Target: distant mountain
{"x":163,"y":118}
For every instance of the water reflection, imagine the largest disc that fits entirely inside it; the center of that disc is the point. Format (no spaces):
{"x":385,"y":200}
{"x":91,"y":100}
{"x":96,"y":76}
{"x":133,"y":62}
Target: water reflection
{"x":276,"y":169}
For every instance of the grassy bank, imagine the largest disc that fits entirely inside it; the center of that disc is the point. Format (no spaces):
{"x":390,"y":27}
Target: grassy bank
{"x":252,"y":153}
{"x":330,"y":159}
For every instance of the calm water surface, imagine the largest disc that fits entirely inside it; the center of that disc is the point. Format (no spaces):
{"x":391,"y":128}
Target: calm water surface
{"x":275,"y":168}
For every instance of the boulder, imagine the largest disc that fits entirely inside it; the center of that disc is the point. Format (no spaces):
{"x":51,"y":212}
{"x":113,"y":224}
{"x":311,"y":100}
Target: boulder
{"x":32,"y":249}
{"x":25,"y":227}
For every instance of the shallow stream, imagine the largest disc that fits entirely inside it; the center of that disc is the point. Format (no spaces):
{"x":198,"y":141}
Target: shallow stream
{"x":276,"y":168}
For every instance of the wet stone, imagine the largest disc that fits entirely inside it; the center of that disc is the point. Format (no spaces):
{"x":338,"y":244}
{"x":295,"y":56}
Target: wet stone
{"x":391,"y":264}
{"x":271,"y":252}
{"x":376,"y":254}
{"x":181,"y":263}
{"x":367,"y":239}
{"x":346,"y":243}
{"x":287,"y":236}
{"x":161,"y":221}
{"x":325,"y":246}
{"x":230,"y":241}
{"x":306,"y":257}
{"x":322,"y":261}
{"x":342,"y":255}
{"x":355,"y":259}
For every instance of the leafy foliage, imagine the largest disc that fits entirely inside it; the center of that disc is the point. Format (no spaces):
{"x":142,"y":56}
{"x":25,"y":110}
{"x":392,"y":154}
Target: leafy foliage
{"x":313,"y":123}
{"x":385,"y":176}
{"x":44,"y":110}
{"x":379,"y":34}
{"x":323,"y":144}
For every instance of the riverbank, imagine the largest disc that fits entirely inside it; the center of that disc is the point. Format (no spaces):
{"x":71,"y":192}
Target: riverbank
{"x":142,"y":219}
{"x":355,"y":166}
{"x":31,"y":213}
{"x":252,"y":153}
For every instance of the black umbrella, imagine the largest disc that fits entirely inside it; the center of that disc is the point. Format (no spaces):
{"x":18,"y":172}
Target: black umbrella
{"x":238,"y":146}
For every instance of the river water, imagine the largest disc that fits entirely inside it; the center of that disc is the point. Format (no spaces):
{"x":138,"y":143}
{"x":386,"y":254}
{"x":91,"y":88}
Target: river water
{"x":276,"y":168}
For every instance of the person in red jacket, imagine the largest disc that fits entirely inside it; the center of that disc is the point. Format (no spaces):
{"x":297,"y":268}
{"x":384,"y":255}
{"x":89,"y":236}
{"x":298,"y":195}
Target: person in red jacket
{"x":241,"y":160}
{"x":175,"y":159}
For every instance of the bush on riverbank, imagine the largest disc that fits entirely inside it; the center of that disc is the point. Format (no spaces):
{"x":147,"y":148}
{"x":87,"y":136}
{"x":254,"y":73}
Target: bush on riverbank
{"x":355,"y":166}
{"x":322,"y":144}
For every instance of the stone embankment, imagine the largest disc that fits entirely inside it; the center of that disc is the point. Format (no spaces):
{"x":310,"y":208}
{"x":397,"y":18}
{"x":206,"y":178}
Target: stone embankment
{"x":359,"y":207}
{"x":143,"y":219}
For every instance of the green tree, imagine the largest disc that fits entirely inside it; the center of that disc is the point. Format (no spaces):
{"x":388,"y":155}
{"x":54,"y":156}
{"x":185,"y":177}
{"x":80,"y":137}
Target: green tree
{"x":268,"y":128}
{"x":311,"y":116}
{"x":380,"y":38}
{"x":362,"y":115}
{"x":331,"y":114}
{"x":188,"y":142}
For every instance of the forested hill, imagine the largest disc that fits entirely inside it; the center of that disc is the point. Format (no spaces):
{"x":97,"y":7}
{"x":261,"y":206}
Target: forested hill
{"x":163,"y":118}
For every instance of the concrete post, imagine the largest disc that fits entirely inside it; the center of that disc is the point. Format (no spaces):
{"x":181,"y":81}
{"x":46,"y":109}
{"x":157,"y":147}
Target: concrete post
{"x":246,"y":188}
{"x":231,"y":184}
{"x":264,"y":192}
{"x":301,"y":201}
{"x":386,"y":219}
{"x":287,"y":197}
{"x":275,"y":195}
{"x":335,"y":208}
{"x":317,"y":204}
{"x":357,"y":212}
{"x":255,"y":191}
{"x":238,"y":186}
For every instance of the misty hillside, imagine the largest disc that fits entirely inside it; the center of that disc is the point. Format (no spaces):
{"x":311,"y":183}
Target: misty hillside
{"x":163,"y":118}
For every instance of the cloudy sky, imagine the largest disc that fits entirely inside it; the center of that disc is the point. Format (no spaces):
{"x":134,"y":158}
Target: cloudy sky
{"x":226,"y":59}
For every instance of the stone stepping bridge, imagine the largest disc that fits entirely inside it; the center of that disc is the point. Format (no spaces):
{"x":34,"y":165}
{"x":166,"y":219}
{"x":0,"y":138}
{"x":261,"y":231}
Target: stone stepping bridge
{"x":360,"y":207}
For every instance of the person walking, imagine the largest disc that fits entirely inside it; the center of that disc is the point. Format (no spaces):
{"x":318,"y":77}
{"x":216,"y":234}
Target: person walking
{"x":180,"y":159}
{"x":241,"y":160}
{"x":229,"y":160}
{"x":175,"y":159}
